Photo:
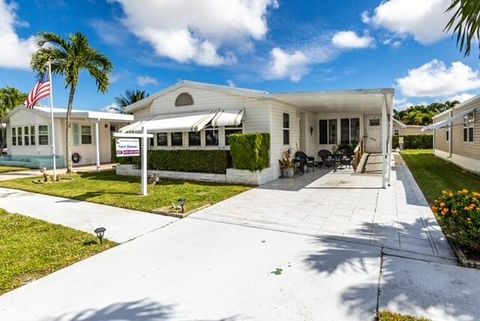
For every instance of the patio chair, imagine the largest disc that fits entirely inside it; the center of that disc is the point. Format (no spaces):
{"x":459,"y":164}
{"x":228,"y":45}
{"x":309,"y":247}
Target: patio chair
{"x":304,"y":160}
{"x":327,"y":158}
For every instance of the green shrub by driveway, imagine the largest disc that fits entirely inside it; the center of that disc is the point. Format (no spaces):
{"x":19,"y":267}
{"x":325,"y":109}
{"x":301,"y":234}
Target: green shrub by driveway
{"x":123,"y":191}
{"x":250,"y":151}
{"x":30,"y":249}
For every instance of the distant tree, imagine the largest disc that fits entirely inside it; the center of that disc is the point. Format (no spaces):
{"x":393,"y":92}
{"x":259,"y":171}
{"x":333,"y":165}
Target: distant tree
{"x":69,"y":58}
{"x":465,"y":23}
{"x":421,"y":114}
{"x":130,"y":97}
{"x":10,"y":98}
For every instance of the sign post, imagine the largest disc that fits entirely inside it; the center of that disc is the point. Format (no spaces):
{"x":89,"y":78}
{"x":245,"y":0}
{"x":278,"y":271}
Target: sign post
{"x":128,"y":145}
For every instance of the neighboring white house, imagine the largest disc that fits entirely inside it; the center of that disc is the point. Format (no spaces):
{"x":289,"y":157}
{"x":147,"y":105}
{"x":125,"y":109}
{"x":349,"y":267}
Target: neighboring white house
{"x":402,"y":129}
{"x":192,"y":115}
{"x":457,"y":134}
{"x":29,"y":136}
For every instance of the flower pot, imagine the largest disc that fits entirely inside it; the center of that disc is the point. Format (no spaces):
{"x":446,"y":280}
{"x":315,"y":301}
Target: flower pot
{"x":288,"y":172}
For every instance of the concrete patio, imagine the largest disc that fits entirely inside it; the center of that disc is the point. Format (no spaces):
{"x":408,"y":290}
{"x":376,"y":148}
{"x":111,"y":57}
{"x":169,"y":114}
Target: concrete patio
{"x":341,"y":204}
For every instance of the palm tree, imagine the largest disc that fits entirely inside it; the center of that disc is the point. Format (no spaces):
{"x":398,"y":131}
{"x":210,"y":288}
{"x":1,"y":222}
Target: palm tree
{"x":69,"y":57}
{"x":130,"y":97}
{"x":9,"y":99}
{"x":465,"y":23}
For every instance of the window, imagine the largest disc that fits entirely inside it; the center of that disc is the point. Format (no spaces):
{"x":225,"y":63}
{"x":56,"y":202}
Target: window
{"x":42,"y":135}
{"x":230,"y":131}
{"x":86,"y":135}
{"x":323,"y":131}
{"x":162,"y":139}
{"x":211,"y":137}
{"x":19,"y":136}
{"x":349,"y":130}
{"x":468,"y":121}
{"x":286,"y":129}
{"x":76,"y":134}
{"x":26,"y":138}
{"x":447,"y":135}
{"x":327,"y":133}
{"x":396,"y":132}
{"x":184,"y":99}
{"x":374,"y":122}
{"x":177,"y":139}
{"x":14,"y":136}
{"x":151,"y":141}
{"x":332,"y":131}
{"x":32,"y":135}
{"x":194,"y":139}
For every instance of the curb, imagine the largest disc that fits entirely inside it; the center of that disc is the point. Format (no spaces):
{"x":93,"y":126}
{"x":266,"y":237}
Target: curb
{"x":462,"y":258}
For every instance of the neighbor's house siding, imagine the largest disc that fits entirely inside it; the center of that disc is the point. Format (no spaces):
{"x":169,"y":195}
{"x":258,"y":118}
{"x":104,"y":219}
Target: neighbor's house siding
{"x":464,"y":154}
{"x":411,"y":130}
{"x":276,"y":134}
{"x":86,"y":151}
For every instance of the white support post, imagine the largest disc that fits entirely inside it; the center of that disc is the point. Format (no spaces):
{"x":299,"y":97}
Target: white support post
{"x":144,"y":161}
{"x":390,"y":137}
{"x":97,"y":143}
{"x":384,"y":144}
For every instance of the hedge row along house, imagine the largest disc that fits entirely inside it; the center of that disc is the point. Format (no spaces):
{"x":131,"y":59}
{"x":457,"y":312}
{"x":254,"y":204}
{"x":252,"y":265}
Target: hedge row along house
{"x":29,"y":136}
{"x":195,"y":120}
{"x":457,"y":134}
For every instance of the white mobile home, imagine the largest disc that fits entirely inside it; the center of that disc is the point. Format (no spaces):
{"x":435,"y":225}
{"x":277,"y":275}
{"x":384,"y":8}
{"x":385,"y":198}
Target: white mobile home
{"x":457,"y":135}
{"x":29,"y":136}
{"x":192,"y":115}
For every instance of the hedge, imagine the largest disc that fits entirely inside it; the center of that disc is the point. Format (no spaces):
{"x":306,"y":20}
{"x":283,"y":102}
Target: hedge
{"x":414,"y":142}
{"x":250,"y":151}
{"x":183,"y":160}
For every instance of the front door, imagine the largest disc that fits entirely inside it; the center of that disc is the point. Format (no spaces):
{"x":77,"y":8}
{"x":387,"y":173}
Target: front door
{"x":374,"y":134}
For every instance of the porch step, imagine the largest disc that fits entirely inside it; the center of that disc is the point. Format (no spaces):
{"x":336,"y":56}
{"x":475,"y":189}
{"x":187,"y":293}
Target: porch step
{"x":372,"y":163}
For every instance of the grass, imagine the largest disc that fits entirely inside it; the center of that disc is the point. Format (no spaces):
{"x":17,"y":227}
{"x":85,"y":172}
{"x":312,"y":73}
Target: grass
{"x":435,"y":175}
{"x":30,"y":249}
{"x":390,"y":316}
{"x":110,"y":189}
{"x":6,"y":169}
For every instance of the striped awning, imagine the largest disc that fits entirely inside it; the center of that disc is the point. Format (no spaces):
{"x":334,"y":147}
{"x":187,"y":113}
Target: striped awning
{"x":228,"y":118}
{"x":168,"y":124}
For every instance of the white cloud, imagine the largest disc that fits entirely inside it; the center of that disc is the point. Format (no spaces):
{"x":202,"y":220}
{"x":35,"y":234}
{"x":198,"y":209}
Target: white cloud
{"x":112,"y":108}
{"x":146,"y":80}
{"x":15,"y":52}
{"x":350,"y":40}
{"x":435,"y":79}
{"x":401,"y":103}
{"x":196,"y":31}
{"x":461,"y":97}
{"x":230,"y":83}
{"x":287,"y":65}
{"x":424,"y":20}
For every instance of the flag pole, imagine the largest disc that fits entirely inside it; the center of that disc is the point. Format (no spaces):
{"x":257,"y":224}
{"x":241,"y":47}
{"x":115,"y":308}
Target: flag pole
{"x":49,"y":64}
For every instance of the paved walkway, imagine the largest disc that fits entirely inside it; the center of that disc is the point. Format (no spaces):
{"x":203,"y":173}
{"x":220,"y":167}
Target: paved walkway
{"x":397,"y":218}
{"x":121,"y":224}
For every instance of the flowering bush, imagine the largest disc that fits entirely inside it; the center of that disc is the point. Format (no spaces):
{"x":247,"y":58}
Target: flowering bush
{"x":459,"y":215}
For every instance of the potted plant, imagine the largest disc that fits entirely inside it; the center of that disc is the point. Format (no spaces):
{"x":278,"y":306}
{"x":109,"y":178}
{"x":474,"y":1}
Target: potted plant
{"x":287,"y":165}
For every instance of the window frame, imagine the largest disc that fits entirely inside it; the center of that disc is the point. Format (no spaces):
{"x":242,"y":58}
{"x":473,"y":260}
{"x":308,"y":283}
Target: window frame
{"x":82,"y":135}
{"x":172,"y":141}
{"x":26,"y":135}
{"x":234,"y":130}
{"x":32,"y":135}
{"x":13,"y":131}
{"x":40,"y":135}
{"x":76,"y":134}
{"x":286,"y":129}
{"x":212,"y":129}
{"x":199,"y":134}
{"x":19,"y":135}
{"x":469,"y":128}
{"x":166,"y":140}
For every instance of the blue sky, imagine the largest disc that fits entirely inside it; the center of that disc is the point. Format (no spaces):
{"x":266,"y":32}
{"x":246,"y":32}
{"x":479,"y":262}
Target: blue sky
{"x":270,"y":45}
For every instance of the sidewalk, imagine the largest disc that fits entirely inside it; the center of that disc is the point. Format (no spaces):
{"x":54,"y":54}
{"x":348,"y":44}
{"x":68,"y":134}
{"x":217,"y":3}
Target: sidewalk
{"x":121,"y":224}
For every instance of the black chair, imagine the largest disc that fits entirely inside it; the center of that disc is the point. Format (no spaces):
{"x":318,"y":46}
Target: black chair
{"x":327,"y":158}
{"x":304,"y":160}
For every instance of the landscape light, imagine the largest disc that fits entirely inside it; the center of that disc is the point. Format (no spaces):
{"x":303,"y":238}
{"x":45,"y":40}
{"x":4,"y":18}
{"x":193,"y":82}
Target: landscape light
{"x":181,"y":203}
{"x":100,"y":231}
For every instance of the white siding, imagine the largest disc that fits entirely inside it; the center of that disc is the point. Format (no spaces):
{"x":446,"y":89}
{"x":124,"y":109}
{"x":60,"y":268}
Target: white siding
{"x":276,"y":134}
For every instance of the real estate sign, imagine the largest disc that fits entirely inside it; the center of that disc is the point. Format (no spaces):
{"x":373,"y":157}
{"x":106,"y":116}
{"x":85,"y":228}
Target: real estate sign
{"x":127,"y":147}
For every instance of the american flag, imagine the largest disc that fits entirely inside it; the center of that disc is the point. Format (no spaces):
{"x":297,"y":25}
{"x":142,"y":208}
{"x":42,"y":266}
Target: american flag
{"x":40,"y":91}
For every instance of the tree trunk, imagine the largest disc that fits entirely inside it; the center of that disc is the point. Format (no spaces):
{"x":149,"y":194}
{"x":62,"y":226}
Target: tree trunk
{"x":68,"y":130}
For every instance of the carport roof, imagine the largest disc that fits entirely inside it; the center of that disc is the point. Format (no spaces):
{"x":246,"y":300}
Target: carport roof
{"x":358,"y":100}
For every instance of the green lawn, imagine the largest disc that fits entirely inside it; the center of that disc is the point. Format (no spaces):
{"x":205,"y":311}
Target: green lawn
{"x":435,"y":175}
{"x":390,"y":316}
{"x":110,"y":189}
{"x":6,"y":169}
{"x":30,"y":249}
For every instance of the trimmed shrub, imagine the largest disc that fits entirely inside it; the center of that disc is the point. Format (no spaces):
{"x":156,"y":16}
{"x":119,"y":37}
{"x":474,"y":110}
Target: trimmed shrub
{"x":414,"y":142}
{"x":184,"y":160}
{"x":250,"y":151}
{"x":459,"y":215}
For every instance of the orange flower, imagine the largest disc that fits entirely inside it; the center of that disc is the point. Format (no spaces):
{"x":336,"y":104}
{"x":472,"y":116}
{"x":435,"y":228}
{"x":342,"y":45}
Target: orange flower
{"x":445,"y":211}
{"x":435,"y":209}
{"x":442,"y":204}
